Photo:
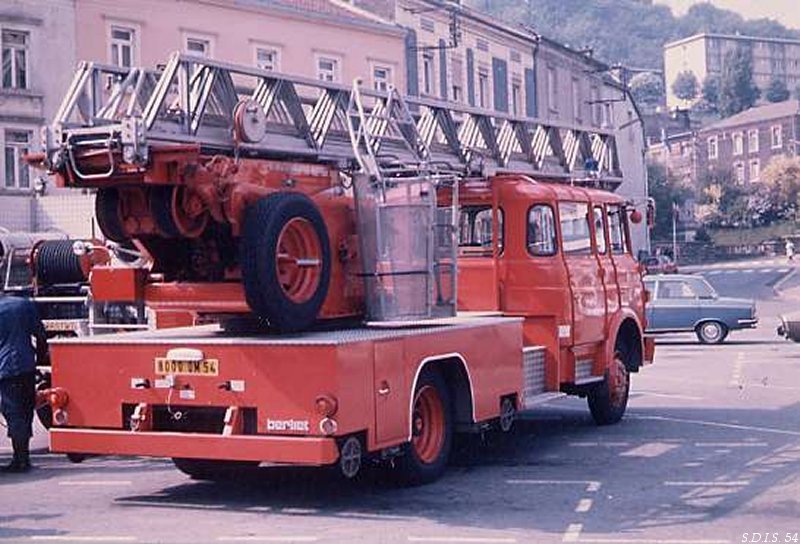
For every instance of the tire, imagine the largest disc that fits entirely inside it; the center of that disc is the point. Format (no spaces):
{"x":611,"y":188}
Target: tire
{"x":711,"y":332}
{"x":44,"y":413}
{"x":609,"y":400}
{"x":212,"y":469}
{"x":280,"y":231}
{"x":107,"y":212}
{"x":164,"y":202}
{"x":425,"y":458}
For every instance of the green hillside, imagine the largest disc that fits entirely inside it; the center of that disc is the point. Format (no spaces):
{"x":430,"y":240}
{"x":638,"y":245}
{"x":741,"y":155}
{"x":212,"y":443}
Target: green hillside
{"x":631,"y":32}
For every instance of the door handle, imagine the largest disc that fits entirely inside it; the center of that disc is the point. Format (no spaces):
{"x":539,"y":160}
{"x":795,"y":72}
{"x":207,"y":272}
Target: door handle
{"x":384,"y":388}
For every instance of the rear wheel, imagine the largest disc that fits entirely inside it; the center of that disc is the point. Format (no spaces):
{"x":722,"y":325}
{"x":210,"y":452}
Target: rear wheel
{"x":44,"y":412}
{"x":286,"y":260}
{"x":212,"y":469}
{"x":108,"y":211}
{"x":711,"y":332}
{"x":425,"y":458}
{"x":608,"y":401}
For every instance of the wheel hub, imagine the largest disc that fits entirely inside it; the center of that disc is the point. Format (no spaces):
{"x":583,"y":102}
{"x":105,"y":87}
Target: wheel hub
{"x":299,"y":260}
{"x":618,"y":381}
{"x":429,"y":425}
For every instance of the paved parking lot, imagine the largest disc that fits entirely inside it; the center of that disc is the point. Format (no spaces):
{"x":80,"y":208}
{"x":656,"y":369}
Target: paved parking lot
{"x":708,"y":453}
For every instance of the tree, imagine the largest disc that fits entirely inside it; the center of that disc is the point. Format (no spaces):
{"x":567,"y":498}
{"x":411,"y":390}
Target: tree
{"x":737,"y":91}
{"x":685,"y":85}
{"x":711,"y":91}
{"x":722,"y":201}
{"x":777,"y":90}
{"x":781,"y":180}
{"x":666,"y":193}
{"x":647,"y":88}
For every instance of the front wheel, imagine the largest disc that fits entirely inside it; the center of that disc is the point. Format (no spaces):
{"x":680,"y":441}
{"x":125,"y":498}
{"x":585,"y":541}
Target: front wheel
{"x":425,"y":458}
{"x":711,"y":332}
{"x":608,"y":401}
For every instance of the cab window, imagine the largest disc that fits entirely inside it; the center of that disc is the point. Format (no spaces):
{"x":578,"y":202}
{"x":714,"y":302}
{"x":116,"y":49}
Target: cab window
{"x":575,"y":232}
{"x":616,"y":229}
{"x":541,"y":238}
{"x":599,"y":231}
{"x":475,"y":230}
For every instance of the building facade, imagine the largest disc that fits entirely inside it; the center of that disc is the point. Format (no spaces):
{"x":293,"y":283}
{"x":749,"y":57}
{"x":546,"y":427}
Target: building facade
{"x":37,"y":38}
{"x":426,"y":48}
{"x":744,"y":144}
{"x":312,"y":38}
{"x":704,"y":55}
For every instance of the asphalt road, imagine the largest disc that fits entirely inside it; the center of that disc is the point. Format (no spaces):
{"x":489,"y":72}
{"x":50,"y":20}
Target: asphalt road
{"x":708,"y":453}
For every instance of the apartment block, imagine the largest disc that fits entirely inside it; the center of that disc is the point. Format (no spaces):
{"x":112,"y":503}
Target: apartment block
{"x":744,"y":144}
{"x":704,"y":55}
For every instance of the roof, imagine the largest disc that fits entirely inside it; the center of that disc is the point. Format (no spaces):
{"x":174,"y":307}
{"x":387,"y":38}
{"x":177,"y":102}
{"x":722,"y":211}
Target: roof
{"x":740,"y":37}
{"x":758,"y":114}
{"x":332,"y":10}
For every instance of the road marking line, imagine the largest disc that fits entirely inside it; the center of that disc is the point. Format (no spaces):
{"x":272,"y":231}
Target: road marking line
{"x":584,"y":505}
{"x":599,"y":444}
{"x":739,"y":483}
{"x":591,"y":485}
{"x":73,"y":538}
{"x":731,"y":444}
{"x":573,"y":533}
{"x":475,"y":539}
{"x":670,"y":396}
{"x":648,"y":541}
{"x":96,"y":482}
{"x":649,"y":450}
{"x":256,"y":538}
{"x":768,"y":430}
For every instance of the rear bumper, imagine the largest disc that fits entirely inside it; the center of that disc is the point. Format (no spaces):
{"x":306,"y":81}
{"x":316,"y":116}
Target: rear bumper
{"x":272,"y":449}
{"x":747,"y":323}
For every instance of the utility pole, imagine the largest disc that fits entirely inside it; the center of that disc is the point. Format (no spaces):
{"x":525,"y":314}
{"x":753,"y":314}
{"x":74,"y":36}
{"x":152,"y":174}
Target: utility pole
{"x":675,"y":232}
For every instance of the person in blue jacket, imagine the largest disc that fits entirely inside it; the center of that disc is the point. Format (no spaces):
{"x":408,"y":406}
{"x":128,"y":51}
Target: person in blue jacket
{"x":19,"y":326}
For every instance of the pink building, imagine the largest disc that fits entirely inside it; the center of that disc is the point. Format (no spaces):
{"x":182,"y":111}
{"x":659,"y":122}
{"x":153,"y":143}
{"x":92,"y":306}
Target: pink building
{"x":312,"y":38}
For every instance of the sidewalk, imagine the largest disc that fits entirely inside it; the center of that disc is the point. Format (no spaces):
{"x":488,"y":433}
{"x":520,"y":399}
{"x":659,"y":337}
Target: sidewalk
{"x":751,"y":263}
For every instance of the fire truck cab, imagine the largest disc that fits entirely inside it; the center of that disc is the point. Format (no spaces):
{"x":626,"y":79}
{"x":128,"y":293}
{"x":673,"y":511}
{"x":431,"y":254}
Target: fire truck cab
{"x":559,"y":257}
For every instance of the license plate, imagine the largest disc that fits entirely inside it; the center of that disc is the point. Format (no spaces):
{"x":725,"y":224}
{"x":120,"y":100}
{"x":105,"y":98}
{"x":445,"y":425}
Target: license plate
{"x":61,"y":325}
{"x":204,"y":367}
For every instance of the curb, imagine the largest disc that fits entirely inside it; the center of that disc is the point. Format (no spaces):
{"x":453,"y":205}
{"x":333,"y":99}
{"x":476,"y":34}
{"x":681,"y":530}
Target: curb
{"x":776,"y":287}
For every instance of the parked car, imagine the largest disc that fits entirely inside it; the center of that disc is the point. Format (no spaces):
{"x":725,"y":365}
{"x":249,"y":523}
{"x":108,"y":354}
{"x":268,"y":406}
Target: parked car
{"x":790,"y":326}
{"x":683,"y":303}
{"x":660,"y":264}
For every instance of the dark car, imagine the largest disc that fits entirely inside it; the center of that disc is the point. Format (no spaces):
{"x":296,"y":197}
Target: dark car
{"x":660,"y":264}
{"x":683,"y":303}
{"x":790,"y":326}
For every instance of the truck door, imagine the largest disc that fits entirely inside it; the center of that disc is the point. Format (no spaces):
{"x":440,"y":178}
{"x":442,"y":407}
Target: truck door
{"x":586,"y":285}
{"x":608,"y":271}
{"x":628,"y":276}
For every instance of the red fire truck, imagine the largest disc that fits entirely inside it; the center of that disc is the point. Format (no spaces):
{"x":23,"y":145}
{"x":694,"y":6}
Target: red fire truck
{"x":331,"y":234}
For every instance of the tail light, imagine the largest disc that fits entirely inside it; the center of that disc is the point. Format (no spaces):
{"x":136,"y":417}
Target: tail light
{"x":58,"y":399}
{"x":326,"y":405}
